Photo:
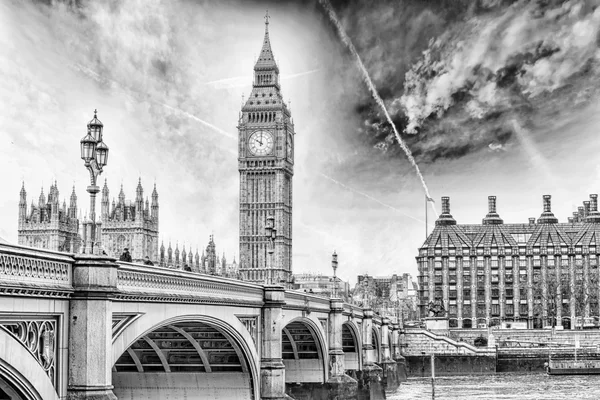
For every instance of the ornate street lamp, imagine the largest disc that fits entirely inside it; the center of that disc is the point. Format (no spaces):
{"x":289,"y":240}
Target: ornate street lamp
{"x":271,"y":234}
{"x":334,"y":265}
{"x":94,"y":153}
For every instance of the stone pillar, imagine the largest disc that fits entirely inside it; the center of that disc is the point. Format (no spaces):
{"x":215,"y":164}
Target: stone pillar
{"x":501,"y":286}
{"x":272,"y":369}
{"x":445,"y":283}
{"x":368,"y":350}
{"x":544,"y":269}
{"x":339,"y":386}
{"x":389,"y":366}
{"x":516,"y":284}
{"x":394,"y":346}
{"x":473,"y":265}
{"x":558,"y":294}
{"x":487,"y":288}
{"x":459,"y":291}
{"x":530,"y":291}
{"x":371,"y":378}
{"x":90,"y":328}
{"x":385,"y":345}
{"x":586,"y":281}
{"x":572,"y":301}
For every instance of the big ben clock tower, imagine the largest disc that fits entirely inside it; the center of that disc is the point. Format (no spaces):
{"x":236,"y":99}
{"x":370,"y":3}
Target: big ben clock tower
{"x":266,"y":165}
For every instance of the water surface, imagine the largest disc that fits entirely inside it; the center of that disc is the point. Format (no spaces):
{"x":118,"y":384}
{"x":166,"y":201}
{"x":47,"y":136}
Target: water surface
{"x":502,"y":387}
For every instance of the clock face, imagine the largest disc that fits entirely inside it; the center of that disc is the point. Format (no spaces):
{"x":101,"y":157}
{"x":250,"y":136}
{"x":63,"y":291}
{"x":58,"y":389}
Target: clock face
{"x":290,"y":146}
{"x":260,"y":143}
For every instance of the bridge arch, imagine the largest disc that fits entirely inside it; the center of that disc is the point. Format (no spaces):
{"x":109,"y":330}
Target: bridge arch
{"x":195,"y":355}
{"x":352,"y":346}
{"x":304,"y":351}
{"x":21,"y":376}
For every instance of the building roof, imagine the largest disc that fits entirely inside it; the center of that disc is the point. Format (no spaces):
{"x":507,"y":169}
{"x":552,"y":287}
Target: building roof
{"x":546,"y":232}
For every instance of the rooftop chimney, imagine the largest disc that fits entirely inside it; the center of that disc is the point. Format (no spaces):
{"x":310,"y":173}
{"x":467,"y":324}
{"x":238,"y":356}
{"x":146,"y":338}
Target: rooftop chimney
{"x":580,"y":212}
{"x":445,"y":205}
{"x":586,"y":209}
{"x":445,"y":218}
{"x":547,"y":204}
{"x":593,"y":214}
{"x":532,"y":221}
{"x":570,"y":220}
{"x":492,"y":204}
{"x":492,"y":218}
{"x":547,"y":217}
{"x":575,"y":216}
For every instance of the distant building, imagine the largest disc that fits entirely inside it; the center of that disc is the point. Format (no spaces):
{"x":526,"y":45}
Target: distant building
{"x":207,"y":263}
{"x":320,"y":284}
{"x":48,"y":225}
{"x":541,"y":272}
{"x":388,"y":294}
{"x":132,"y":225}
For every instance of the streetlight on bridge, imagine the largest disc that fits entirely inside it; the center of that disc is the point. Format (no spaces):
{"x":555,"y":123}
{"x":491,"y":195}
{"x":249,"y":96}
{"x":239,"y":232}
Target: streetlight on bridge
{"x":271,"y":234}
{"x":94,"y":153}
{"x":334,"y":265}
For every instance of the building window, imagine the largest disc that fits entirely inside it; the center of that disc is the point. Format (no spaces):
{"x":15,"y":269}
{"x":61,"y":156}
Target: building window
{"x":452,"y":294}
{"x":509,"y":292}
{"x":467,"y":293}
{"x":452,"y":310}
{"x":523,"y":309}
{"x":494,"y":263}
{"x":495,"y":292}
{"x":495,"y":309}
{"x":510,"y":309}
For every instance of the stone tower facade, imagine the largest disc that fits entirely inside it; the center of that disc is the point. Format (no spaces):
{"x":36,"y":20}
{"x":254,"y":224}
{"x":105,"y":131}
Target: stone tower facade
{"x":266,"y":165}
{"x":130,"y":224}
{"x":48,"y":225}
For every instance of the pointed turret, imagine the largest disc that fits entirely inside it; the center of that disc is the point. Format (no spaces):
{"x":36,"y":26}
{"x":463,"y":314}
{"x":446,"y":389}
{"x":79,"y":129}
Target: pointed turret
{"x":197,"y":261}
{"x":177,"y":255}
{"x":183,"y":256}
{"x":42,"y":199}
{"x":266,"y":61}
{"x":73,"y":204}
{"x":170,"y":256}
{"x":121,"y":195}
{"x":105,"y":203}
{"x":162,"y":254}
{"x":154,"y":213}
{"x":22,"y":204}
{"x":147,"y":209}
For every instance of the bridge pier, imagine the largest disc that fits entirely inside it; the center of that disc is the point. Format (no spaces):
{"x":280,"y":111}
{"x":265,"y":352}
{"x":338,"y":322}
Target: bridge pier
{"x":339,"y":386}
{"x":90,"y":328}
{"x":389,"y":366}
{"x":272,"y":369}
{"x":371,"y":380}
{"x":402,"y":372}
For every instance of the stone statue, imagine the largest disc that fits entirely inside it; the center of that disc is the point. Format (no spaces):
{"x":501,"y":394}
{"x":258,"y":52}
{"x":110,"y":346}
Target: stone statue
{"x":436,"y":309}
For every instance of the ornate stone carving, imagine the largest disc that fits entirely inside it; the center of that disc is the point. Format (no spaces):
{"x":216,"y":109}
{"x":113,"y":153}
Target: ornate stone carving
{"x":250,"y":322}
{"x":39,"y":338}
{"x":21,"y":267}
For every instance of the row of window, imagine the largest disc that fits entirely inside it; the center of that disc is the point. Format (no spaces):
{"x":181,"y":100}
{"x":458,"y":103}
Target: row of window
{"x":509,"y":250}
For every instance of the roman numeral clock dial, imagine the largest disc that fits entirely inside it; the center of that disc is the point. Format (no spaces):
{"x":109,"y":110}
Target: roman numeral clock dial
{"x":260,"y":143}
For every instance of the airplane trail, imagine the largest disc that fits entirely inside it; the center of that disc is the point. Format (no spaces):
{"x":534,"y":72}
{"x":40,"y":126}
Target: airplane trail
{"x":369,"y":197}
{"x":367,"y":79}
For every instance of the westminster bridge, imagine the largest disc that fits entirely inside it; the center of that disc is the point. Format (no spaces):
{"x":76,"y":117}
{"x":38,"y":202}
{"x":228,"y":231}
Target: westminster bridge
{"x":88,"y":327}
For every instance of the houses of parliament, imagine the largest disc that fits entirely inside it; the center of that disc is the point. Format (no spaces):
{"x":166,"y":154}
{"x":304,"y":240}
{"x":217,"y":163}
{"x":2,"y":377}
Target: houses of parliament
{"x":266,"y":167}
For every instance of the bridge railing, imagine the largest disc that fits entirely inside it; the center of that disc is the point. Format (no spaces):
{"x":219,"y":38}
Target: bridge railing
{"x":304,"y":301}
{"x":25,"y":269}
{"x":144,"y":282}
{"x":353,"y":310}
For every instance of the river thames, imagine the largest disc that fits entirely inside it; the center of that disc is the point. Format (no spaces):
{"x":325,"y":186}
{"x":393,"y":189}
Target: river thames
{"x":501,"y":387}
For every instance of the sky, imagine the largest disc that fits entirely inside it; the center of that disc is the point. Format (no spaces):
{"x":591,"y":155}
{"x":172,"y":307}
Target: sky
{"x":492,"y":97}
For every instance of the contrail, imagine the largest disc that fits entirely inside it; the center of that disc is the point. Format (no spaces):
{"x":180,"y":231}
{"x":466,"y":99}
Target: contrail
{"x":369,"y":197}
{"x":240,"y":81}
{"x":208,"y":124}
{"x":332,"y":16}
{"x":534,"y":155}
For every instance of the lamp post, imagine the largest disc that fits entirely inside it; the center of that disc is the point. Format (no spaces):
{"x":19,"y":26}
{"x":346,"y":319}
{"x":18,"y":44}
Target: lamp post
{"x":94,"y":153}
{"x":271,"y":234}
{"x":334,"y":265}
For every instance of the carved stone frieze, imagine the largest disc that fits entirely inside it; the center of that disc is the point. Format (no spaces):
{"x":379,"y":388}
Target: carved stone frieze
{"x":251,"y":324}
{"x":39,"y":336}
